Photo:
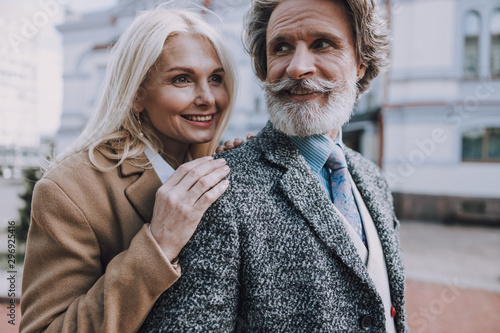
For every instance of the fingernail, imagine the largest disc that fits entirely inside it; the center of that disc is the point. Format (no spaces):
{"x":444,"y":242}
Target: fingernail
{"x":209,"y":158}
{"x":221,"y":161}
{"x":225,"y":182}
{"x":226,"y":167}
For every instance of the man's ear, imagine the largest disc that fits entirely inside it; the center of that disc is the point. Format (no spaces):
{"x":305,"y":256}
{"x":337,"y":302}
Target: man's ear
{"x":361,"y":71}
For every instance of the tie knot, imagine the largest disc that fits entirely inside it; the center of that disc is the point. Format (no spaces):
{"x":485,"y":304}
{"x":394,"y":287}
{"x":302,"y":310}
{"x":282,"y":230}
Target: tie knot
{"x":336,"y":160}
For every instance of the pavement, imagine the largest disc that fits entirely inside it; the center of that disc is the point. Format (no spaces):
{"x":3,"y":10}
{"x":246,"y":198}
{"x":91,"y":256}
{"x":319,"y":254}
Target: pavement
{"x":453,"y":274}
{"x":453,"y":278}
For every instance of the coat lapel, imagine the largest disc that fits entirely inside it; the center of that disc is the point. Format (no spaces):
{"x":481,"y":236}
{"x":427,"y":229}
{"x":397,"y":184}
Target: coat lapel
{"x":377,"y":198}
{"x":142,"y":191}
{"x":302,"y":189}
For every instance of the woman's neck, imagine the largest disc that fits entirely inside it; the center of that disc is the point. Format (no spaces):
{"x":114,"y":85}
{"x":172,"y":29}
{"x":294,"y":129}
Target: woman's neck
{"x":175,"y":157}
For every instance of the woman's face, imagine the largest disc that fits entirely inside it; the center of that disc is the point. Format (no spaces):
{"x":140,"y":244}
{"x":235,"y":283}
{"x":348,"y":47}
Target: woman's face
{"x":185,"y":93}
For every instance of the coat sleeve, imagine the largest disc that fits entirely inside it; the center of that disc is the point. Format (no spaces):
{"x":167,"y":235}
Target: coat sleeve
{"x":205,"y":299}
{"x":64,"y":286}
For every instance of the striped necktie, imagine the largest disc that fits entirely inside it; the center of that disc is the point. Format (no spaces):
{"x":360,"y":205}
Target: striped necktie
{"x":342,"y":195}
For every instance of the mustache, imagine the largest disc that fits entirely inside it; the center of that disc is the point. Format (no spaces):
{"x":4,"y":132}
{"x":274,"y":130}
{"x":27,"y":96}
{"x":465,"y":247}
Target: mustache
{"x":316,"y":85}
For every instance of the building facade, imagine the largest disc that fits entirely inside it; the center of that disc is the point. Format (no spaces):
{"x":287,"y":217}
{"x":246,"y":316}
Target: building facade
{"x":442,"y":114}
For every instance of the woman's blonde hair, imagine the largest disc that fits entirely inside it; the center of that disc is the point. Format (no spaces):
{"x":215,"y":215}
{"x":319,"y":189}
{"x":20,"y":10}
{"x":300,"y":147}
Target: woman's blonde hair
{"x":113,"y":129}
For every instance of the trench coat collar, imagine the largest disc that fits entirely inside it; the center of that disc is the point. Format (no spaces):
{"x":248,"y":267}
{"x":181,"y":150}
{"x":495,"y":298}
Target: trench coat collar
{"x":142,"y":190}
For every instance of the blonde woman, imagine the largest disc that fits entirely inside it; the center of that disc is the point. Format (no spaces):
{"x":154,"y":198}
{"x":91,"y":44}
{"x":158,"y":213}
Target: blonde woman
{"x":110,"y":216}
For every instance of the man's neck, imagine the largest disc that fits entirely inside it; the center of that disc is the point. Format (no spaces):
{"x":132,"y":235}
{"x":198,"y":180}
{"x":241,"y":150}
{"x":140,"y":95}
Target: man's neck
{"x":332,"y":134}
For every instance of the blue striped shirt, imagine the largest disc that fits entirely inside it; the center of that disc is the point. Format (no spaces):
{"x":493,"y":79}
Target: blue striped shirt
{"x":316,"y":149}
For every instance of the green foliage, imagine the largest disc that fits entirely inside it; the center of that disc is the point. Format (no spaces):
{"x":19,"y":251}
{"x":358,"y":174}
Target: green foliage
{"x":31,"y":176}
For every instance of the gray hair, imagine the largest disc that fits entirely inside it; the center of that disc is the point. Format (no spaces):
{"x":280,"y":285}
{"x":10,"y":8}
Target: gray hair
{"x":371,"y":35}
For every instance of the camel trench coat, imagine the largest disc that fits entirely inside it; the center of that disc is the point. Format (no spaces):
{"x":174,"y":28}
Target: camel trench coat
{"x":92,"y":264}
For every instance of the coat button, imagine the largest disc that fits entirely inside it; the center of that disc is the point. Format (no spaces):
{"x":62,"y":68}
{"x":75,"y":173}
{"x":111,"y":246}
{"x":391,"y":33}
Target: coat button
{"x":366,"y":322}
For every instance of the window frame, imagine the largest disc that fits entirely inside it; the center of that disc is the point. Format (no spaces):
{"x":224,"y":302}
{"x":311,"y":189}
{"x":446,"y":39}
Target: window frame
{"x":484,"y":149}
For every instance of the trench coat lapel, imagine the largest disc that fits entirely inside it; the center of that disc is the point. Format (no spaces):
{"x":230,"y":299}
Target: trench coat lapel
{"x":302,"y":189}
{"x":142,"y":191}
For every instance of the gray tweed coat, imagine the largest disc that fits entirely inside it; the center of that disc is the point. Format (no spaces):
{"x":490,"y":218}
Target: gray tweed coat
{"x":272,"y":255}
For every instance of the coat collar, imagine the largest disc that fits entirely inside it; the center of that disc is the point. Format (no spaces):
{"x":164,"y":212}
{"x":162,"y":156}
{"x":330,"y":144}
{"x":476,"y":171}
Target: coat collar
{"x":319,"y":212}
{"x":142,"y":190}
{"x":315,"y":207}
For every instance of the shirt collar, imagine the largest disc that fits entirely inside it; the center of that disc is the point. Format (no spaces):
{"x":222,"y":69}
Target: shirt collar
{"x":162,"y":168}
{"x":316,"y":148}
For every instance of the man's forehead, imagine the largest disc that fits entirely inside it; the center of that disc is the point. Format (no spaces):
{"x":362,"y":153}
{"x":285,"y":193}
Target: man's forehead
{"x":308,"y":17}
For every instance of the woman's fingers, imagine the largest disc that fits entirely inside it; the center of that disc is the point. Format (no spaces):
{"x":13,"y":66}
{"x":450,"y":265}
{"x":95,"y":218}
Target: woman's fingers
{"x":211,"y":195}
{"x":179,"y":208}
{"x":208,"y":181}
{"x":195,"y":174}
{"x":182,"y":170}
{"x":231,"y":144}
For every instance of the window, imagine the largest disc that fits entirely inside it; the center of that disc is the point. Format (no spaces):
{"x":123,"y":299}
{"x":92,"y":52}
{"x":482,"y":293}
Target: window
{"x":495,"y":44}
{"x":481,"y":145}
{"x":471,"y":54}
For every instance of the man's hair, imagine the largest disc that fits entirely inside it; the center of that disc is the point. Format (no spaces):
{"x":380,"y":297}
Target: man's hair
{"x":371,"y":36}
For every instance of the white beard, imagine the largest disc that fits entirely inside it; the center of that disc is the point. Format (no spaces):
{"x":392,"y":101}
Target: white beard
{"x":309,"y":118}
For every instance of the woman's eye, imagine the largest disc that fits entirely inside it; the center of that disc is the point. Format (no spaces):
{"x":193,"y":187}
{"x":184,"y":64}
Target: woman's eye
{"x":180,"y":80}
{"x":216,"y":79}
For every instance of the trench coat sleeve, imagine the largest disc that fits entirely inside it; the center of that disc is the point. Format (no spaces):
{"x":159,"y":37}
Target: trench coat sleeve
{"x":65,"y":288}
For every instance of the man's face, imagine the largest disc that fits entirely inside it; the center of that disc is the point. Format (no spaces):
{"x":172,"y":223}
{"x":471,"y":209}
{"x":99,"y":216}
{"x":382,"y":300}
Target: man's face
{"x":311,"y":66}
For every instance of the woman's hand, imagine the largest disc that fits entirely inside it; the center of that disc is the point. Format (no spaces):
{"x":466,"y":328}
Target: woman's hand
{"x":231,"y":144}
{"x":183,"y":199}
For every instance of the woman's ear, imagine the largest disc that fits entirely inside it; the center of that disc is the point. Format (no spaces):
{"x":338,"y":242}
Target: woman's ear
{"x":139,"y":97}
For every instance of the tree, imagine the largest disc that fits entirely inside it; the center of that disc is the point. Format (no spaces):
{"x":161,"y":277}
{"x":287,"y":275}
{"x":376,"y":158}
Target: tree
{"x":31,"y":176}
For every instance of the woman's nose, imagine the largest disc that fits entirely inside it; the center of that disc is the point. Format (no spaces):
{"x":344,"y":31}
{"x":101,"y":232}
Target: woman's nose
{"x":204,"y":97}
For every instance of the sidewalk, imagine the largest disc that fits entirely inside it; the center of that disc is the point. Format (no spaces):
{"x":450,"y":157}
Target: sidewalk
{"x":453,"y":278}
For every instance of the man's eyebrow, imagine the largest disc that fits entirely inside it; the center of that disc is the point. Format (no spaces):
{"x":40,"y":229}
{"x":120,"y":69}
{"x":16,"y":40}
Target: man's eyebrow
{"x":276,"y":40}
{"x":329,"y":36}
{"x":317,"y":35}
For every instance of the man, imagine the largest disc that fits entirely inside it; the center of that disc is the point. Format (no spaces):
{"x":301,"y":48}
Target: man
{"x":297,"y":243}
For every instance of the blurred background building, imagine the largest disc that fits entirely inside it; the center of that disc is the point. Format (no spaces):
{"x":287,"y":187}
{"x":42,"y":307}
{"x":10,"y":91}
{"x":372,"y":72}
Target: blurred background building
{"x":441,"y":118}
{"x":432,"y":122}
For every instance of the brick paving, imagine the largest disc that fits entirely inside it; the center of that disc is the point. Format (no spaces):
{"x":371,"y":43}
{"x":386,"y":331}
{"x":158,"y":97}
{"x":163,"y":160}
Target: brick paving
{"x":439,"y":308}
{"x":5,"y":327}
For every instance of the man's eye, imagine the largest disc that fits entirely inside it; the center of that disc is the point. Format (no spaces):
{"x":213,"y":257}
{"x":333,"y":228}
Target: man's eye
{"x":322,"y":44}
{"x":282,"y":48}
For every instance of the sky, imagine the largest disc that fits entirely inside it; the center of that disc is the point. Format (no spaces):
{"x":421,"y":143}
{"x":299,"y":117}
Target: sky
{"x":14,"y":15}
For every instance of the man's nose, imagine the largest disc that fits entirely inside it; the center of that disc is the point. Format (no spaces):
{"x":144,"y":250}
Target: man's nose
{"x":302,"y":64}
{"x":205,"y":96}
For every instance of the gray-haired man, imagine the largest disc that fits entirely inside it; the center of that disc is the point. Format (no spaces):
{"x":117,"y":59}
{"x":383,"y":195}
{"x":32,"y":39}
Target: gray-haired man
{"x":305,"y":239}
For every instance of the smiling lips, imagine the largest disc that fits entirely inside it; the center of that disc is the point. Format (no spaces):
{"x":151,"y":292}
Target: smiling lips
{"x":200,"y":119}
{"x":301,"y":91}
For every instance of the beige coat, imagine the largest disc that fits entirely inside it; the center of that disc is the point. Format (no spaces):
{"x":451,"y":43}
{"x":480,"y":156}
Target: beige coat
{"x":92,"y":264}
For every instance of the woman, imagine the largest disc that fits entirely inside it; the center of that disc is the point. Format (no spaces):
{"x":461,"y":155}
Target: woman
{"x":105,"y":232}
